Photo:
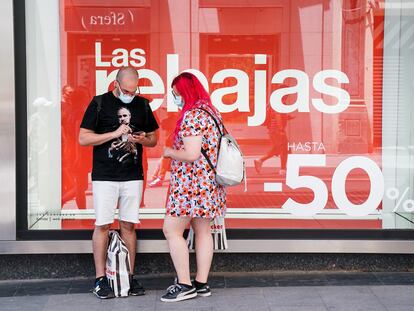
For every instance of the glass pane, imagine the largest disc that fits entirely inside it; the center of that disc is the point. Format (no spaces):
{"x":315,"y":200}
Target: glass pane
{"x":317,"y":93}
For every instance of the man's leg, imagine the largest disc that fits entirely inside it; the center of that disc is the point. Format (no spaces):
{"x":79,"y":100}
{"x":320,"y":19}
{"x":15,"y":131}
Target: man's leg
{"x":105,"y":198}
{"x":130,"y":195}
{"x":100,"y":245}
{"x":129,"y":201}
{"x":102,"y":289}
{"x":130,"y":238}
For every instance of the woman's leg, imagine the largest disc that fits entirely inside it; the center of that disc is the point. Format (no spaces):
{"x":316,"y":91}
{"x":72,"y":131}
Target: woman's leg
{"x":283,"y":159}
{"x":273,"y":151}
{"x":284,"y":150}
{"x":165,"y":167}
{"x":259,"y":162}
{"x":203,"y":247}
{"x":173,"y":231}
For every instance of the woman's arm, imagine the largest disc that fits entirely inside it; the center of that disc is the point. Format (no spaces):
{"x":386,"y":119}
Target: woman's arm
{"x":191,"y":151}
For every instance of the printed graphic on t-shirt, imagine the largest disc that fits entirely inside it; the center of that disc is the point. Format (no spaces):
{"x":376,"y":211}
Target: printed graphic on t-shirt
{"x":121,"y":149}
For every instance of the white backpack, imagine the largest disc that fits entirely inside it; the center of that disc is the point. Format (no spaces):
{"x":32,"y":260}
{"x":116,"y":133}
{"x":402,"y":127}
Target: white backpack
{"x":231,"y":169}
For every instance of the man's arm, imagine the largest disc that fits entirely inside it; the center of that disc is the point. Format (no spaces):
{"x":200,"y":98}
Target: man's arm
{"x":90,"y":138}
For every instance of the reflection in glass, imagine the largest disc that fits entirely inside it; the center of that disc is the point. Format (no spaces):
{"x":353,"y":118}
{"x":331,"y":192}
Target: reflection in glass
{"x":324,"y":78}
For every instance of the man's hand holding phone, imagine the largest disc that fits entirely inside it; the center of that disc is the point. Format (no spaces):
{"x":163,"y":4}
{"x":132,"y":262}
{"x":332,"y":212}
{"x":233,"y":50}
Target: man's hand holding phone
{"x":122,"y":130}
{"x":137,"y":137}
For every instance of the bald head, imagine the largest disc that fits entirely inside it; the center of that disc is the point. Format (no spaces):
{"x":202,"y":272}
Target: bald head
{"x":127,"y":81}
{"x":127,"y":73}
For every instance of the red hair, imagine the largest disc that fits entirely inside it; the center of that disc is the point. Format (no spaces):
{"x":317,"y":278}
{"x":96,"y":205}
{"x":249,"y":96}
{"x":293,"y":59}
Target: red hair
{"x":193,"y":94}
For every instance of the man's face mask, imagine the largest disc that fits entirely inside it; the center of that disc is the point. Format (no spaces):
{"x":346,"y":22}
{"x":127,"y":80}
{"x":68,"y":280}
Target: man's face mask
{"x":125,"y":98}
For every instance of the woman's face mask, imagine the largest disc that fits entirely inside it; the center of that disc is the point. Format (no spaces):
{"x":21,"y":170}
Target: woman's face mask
{"x":178,"y":100}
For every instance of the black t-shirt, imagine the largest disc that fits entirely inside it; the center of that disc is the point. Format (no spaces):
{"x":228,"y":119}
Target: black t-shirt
{"x":117,"y":160}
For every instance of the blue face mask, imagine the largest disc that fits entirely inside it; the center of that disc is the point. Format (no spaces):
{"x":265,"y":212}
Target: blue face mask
{"x":126,"y":99}
{"x":178,"y":100}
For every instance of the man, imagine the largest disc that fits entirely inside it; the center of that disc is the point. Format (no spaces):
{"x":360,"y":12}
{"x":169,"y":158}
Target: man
{"x":117,"y":180}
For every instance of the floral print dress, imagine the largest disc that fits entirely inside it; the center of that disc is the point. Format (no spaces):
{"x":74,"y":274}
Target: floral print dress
{"x":194,"y":191}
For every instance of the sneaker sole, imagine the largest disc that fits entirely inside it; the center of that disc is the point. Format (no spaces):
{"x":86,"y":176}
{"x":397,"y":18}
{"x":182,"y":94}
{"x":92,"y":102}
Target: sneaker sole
{"x":102,"y":297}
{"x":189,"y":296}
{"x":138,"y":294}
{"x":204,"y":294}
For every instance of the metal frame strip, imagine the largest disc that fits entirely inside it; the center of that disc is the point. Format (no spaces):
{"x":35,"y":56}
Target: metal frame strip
{"x":235,"y":246}
{"x":8,"y":124}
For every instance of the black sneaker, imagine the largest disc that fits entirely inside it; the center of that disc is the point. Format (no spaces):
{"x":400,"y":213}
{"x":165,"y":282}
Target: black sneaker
{"x":135,"y":287}
{"x":204,"y":291}
{"x":102,"y":289}
{"x":178,"y":292}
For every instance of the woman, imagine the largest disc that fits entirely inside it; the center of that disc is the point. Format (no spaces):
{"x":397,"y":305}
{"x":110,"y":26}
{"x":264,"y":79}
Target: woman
{"x":194,"y":195}
{"x":276,"y":123}
{"x":278,"y":141}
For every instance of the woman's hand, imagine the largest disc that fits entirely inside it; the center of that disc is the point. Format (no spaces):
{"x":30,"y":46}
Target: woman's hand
{"x":190,"y":152}
{"x":167,"y":152}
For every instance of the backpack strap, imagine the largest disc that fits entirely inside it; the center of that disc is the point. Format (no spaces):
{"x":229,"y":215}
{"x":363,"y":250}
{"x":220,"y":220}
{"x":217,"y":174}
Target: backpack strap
{"x":147,"y":111}
{"x":204,"y":151}
{"x":215,"y":121}
{"x":98,"y":99}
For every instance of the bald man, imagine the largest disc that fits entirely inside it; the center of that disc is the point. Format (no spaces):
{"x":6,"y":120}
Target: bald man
{"x":117,"y":124}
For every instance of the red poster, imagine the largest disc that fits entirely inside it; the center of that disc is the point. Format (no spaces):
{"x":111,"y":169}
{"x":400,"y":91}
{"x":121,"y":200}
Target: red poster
{"x":298,"y":83}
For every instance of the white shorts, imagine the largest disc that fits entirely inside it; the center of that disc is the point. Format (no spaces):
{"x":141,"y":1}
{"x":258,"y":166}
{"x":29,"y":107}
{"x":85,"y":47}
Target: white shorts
{"x":108,"y":195}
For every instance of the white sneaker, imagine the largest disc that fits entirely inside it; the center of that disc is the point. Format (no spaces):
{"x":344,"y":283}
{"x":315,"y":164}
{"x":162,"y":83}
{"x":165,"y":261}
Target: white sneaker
{"x":157,"y":182}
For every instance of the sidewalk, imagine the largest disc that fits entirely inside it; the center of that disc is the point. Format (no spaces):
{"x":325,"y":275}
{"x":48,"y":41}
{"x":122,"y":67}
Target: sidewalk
{"x":347,"y":298}
{"x":348,"y":291}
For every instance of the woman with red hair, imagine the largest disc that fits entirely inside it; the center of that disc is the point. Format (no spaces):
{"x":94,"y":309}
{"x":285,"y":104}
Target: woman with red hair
{"x":194,"y":195}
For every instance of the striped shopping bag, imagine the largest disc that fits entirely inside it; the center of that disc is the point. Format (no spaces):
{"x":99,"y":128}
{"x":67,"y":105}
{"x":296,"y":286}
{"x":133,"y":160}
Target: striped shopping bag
{"x":118,"y":265}
{"x":218,"y":231}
